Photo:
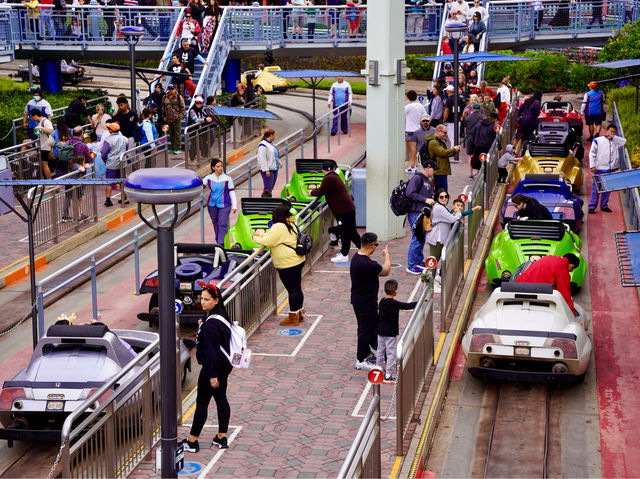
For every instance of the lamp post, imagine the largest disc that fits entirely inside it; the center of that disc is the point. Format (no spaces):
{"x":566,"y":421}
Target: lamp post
{"x":456,"y":31}
{"x":132,"y":36}
{"x":165,"y":186}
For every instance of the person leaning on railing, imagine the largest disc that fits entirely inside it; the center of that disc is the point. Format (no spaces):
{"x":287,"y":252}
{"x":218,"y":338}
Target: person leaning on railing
{"x":198,"y":140}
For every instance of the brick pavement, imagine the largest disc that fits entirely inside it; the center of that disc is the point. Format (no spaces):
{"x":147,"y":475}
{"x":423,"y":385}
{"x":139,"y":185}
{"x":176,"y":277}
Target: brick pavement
{"x":297,"y":409}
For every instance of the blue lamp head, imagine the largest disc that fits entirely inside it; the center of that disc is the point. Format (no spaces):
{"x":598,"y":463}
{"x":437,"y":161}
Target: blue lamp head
{"x":456,"y":30}
{"x":163,"y":186}
{"x":132,"y":31}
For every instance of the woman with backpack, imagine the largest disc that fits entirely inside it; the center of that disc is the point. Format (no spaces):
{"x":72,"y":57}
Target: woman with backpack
{"x":149,"y":134}
{"x":212,"y":341}
{"x":282,"y":238}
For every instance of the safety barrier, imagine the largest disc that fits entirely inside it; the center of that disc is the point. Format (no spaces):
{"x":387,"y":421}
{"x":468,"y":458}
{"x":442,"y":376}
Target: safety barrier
{"x":24,"y":160}
{"x":6,"y":42}
{"x":451,"y":271}
{"x":202,"y":141}
{"x":363,"y":458}
{"x":474,"y":221}
{"x":63,"y":208}
{"x":149,"y":155}
{"x":414,"y":358}
{"x":631,"y":195}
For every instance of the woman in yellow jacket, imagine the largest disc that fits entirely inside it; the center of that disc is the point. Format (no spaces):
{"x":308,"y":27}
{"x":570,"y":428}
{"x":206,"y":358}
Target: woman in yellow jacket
{"x":282,"y":238}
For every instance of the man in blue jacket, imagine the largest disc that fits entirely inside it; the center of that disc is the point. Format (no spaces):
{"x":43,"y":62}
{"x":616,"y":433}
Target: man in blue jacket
{"x":593,"y":109}
{"x":420,"y":192}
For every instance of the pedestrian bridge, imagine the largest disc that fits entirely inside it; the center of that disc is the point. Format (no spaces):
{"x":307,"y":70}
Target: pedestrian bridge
{"x":93,"y":31}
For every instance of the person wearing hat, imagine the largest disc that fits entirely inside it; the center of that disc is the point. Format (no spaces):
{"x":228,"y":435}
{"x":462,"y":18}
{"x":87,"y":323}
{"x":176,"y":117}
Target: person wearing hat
{"x":113,"y":147}
{"x":420,"y":193}
{"x":39,"y":103}
{"x":593,"y":109}
{"x":507,"y":157}
{"x":447,"y":72}
{"x":342,"y":206}
{"x":173,"y":109}
{"x":413,"y":112}
{"x":198,"y":140}
{"x":419,"y":135}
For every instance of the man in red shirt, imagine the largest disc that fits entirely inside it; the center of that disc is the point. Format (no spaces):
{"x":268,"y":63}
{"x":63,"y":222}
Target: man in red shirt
{"x":553,"y":270}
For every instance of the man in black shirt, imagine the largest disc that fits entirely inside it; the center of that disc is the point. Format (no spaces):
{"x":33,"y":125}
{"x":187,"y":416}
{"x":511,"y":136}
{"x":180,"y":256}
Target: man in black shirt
{"x":364,"y":297}
{"x":77,"y":114}
{"x":187,"y":56}
{"x":126,"y":118}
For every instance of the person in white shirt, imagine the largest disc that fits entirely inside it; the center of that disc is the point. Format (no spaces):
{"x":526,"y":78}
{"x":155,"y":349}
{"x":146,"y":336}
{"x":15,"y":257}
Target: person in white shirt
{"x":504,"y":94}
{"x":413,"y":112}
{"x":460,"y":9}
{"x":477,"y":7}
{"x":340,"y":95}
{"x":604,"y":157}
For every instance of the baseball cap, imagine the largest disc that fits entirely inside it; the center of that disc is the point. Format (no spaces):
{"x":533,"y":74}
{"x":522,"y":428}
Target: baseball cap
{"x":429,"y":164}
{"x":198,"y":98}
{"x":449,"y":88}
{"x":171,"y":87}
{"x":425,"y":116}
{"x":592,"y":84}
{"x":448,"y":65}
{"x":328,"y":165}
{"x":476,"y":106}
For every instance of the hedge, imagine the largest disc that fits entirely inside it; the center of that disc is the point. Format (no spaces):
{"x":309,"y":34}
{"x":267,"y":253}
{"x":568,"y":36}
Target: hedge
{"x":625,"y":99}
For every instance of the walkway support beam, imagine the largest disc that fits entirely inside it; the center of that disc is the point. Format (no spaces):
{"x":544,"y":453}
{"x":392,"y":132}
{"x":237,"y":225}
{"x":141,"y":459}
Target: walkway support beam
{"x":385,"y":114}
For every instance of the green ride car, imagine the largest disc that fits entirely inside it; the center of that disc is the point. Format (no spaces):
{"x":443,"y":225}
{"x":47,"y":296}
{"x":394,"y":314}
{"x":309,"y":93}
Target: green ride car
{"x":522,"y":241}
{"x":255,"y":214}
{"x":308,"y":176}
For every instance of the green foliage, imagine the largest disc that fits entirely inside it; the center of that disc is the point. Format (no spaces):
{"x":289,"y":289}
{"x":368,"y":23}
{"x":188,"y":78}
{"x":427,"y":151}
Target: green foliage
{"x":358,"y":87}
{"x":420,"y":69}
{"x":625,"y":44}
{"x":347,"y":63}
{"x":625,"y":99}
{"x":548,"y":73}
{"x":13,"y":105}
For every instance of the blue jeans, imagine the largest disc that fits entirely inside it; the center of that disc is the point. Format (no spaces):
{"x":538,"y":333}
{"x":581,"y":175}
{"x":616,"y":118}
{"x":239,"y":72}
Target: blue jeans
{"x":415,"y":255}
{"x":269,"y":183}
{"x":440,"y":181}
{"x":220,"y":220}
{"x":604,"y":197}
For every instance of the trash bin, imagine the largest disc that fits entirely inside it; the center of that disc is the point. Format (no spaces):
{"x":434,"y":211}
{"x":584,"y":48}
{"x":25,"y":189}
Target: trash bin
{"x":359,"y":193}
{"x":6,"y":192}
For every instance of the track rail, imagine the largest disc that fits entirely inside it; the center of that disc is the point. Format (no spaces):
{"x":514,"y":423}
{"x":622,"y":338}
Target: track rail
{"x":519,"y":437}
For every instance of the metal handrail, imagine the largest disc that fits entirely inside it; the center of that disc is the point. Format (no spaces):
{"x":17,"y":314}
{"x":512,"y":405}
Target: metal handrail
{"x":168,"y":50}
{"x":437,"y":65}
{"x":451,"y":270}
{"x":631,"y":195}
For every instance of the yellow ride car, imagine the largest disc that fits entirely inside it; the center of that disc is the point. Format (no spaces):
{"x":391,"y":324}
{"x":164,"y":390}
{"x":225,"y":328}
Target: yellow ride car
{"x":267,"y":81}
{"x":545,"y":158}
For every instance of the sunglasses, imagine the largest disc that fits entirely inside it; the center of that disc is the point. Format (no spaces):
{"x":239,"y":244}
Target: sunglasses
{"x":376,"y":244}
{"x":425,"y":121}
{"x":443,"y":196}
{"x":187,"y":16}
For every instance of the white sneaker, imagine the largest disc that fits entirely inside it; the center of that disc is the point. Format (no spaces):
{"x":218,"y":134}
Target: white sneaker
{"x":365,"y":365}
{"x":340,"y":258}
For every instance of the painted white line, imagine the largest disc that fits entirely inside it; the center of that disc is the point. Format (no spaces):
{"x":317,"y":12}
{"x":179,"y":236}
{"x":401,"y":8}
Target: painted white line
{"x":218,"y":454}
{"x":328,"y":271}
{"x":363,"y":396}
{"x":302,"y":341}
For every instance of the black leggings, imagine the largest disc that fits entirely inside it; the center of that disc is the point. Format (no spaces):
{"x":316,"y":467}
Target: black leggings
{"x":205,"y":393}
{"x":367,"y":317}
{"x":292,"y":280}
{"x":348,"y":231}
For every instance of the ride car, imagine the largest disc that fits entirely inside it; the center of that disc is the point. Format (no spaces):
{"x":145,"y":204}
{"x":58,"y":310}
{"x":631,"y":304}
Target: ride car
{"x":527,"y":332}
{"x":562,"y":134}
{"x":308,"y":176}
{"x":68,"y":365}
{"x":551,"y":192}
{"x":561,"y":112}
{"x":268,"y":80}
{"x":195,"y":263}
{"x":255,"y":215}
{"x":522,"y":240}
{"x":541,"y":158}
{"x":72,"y":73}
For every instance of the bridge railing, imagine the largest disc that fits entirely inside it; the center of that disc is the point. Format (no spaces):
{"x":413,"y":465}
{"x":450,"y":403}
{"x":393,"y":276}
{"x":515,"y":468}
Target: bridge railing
{"x":6,"y":39}
{"x":631,"y":195}
{"x":90,"y":25}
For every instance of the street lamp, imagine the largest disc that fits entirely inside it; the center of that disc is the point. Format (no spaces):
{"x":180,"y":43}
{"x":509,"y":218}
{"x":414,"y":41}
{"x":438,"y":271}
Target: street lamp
{"x":132,"y":36}
{"x":456,"y":31}
{"x":165,"y":186}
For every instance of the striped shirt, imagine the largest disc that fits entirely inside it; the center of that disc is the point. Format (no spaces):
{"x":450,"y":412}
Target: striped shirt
{"x":222,"y":191}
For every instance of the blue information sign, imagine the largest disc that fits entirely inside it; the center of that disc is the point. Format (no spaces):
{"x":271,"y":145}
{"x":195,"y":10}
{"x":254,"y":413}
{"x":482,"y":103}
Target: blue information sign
{"x":191,"y":468}
{"x":178,"y":306}
{"x":290,"y":332}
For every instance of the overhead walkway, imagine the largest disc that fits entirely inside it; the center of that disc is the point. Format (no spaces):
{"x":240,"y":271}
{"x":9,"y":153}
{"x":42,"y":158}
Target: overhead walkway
{"x":513,"y":24}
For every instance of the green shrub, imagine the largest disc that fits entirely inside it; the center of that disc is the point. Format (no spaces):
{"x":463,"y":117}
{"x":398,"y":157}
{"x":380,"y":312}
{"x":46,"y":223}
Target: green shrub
{"x":625,"y":99}
{"x":548,"y":73}
{"x":625,"y":44}
{"x":420,"y":69}
{"x":13,"y":105}
{"x":358,"y":87}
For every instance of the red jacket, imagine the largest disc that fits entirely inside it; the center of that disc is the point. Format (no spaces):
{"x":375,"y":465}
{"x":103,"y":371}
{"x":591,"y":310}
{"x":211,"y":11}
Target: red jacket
{"x":550,"y":270}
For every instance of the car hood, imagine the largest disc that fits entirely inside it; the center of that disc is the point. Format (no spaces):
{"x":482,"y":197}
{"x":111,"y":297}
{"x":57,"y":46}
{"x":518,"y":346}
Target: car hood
{"x":79,"y":366}
{"x":516,"y":319}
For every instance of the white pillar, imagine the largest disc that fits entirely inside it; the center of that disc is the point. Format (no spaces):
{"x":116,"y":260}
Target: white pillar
{"x":385,"y":115}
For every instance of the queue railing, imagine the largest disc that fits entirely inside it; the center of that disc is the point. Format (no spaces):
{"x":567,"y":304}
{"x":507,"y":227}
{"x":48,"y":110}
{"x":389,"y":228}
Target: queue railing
{"x":631,"y":195}
{"x":202,"y":141}
{"x":6,"y":39}
{"x":475,"y":220}
{"x":364,"y":456}
{"x":452,"y":262}
{"x":414,"y":354}
{"x":24,"y":160}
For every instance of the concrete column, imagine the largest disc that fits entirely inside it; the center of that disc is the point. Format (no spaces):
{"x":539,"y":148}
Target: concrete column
{"x":385,"y":116}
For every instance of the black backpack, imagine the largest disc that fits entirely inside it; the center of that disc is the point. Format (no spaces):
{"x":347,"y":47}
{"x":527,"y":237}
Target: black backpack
{"x":138,"y":133}
{"x":399,"y":202}
{"x":424,"y":152}
{"x":303,"y":243}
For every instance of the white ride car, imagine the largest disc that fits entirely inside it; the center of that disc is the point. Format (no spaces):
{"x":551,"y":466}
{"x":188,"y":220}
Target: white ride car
{"x":527,"y":332}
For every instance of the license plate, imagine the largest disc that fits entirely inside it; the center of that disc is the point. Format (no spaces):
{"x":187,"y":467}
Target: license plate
{"x":556,"y":120}
{"x":55,"y":405}
{"x":55,"y":396}
{"x":548,"y":169}
{"x":522,"y":351}
{"x":185,"y":286}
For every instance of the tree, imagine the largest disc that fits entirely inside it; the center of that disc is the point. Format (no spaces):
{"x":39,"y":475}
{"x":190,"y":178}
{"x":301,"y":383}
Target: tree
{"x":625,"y":44}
